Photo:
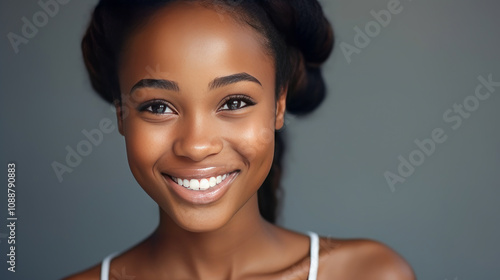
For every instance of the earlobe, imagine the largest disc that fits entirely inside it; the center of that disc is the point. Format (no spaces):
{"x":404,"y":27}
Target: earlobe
{"x":280,"y":109}
{"x":119,"y":116}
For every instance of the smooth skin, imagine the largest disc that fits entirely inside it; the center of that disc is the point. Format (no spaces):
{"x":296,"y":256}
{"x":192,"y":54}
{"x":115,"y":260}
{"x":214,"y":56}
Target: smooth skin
{"x":182,"y":119}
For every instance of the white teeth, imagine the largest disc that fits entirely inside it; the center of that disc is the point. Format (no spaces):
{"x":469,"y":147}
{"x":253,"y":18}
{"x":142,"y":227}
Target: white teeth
{"x":194,"y":184}
{"x":202,"y":184}
{"x":212,"y":182}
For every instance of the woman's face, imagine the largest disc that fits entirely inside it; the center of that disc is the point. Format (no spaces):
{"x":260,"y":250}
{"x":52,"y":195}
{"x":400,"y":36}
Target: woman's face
{"x":199,"y":114}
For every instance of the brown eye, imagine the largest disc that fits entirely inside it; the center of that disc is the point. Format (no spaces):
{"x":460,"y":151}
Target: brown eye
{"x":156,"y":107}
{"x":236,"y":103}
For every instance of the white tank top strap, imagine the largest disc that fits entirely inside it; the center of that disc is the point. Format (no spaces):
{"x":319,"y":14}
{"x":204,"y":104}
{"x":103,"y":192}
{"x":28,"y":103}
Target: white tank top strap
{"x":313,"y":268}
{"x":105,"y":266}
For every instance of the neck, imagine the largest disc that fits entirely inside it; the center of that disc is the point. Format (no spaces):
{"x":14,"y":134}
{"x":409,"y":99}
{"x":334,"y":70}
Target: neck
{"x":225,"y":250}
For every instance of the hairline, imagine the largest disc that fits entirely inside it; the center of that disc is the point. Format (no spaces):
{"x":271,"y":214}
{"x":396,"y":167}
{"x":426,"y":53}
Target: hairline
{"x":237,"y":13}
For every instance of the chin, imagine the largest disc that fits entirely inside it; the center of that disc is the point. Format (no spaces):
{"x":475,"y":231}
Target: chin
{"x":202,"y":220}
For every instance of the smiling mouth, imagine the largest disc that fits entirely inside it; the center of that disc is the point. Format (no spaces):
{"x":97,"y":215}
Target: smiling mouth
{"x":203,"y":183}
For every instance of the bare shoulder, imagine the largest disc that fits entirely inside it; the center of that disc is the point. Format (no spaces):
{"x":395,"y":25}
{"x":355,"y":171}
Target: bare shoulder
{"x":93,"y":273}
{"x":126,"y":257}
{"x":361,"y":259}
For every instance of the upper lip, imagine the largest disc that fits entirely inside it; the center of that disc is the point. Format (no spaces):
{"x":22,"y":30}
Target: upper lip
{"x":199,"y":173}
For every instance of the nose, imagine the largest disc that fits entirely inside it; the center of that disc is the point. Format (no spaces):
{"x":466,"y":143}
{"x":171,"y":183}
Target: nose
{"x":197,"y":138}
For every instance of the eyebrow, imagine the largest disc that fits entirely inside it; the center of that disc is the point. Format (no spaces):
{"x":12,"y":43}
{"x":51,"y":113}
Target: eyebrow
{"x":216,"y":83}
{"x":156,"y":83}
{"x":232,"y":79}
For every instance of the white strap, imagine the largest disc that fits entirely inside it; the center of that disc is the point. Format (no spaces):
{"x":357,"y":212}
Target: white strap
{"x":313,"y":269}
{"x":105,"y":266}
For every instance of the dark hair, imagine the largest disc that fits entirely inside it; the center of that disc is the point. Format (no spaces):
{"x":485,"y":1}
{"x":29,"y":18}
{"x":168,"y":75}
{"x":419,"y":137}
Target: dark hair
{"x":296,"y":33}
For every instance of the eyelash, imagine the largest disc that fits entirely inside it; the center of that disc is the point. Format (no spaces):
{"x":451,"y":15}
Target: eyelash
{"x":149,"y":106}
{"x":239,"y":98}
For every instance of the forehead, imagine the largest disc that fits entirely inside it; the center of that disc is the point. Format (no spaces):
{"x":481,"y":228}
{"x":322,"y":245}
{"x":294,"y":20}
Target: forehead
{"x":188,"y":39}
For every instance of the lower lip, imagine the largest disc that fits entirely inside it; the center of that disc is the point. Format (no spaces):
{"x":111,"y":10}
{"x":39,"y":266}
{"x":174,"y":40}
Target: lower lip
{"x":208,"y":196}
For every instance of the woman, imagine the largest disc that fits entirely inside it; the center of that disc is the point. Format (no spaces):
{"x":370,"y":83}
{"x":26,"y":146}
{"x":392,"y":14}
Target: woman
{"x":201,"y":89}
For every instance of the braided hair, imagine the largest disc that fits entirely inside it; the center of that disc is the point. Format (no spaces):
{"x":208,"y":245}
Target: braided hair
{"x":296,"y":34}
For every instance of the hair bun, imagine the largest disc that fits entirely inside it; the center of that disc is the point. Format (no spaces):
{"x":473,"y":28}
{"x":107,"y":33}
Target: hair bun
{"x":312,"y":92}
{"x":311,"y":36}
{"x":313,"y":32}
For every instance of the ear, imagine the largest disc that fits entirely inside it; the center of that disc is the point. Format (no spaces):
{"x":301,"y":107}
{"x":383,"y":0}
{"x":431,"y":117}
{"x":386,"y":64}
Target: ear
{"x":119,"y":116}
{"x":280,"y":109}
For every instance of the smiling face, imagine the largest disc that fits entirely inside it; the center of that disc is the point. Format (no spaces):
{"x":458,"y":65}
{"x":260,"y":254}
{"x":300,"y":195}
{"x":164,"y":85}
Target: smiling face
{"x":198,"y":114}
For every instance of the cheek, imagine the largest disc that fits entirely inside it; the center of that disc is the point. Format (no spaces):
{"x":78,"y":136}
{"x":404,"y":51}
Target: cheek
{"x":256,"y":146}
{"x":145,"y":144}
{"x":253,"y":140}
{"x":253,"y":143}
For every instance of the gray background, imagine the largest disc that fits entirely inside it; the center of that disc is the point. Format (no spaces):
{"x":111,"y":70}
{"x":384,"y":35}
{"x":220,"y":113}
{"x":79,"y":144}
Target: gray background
{"x":443,"y":219}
